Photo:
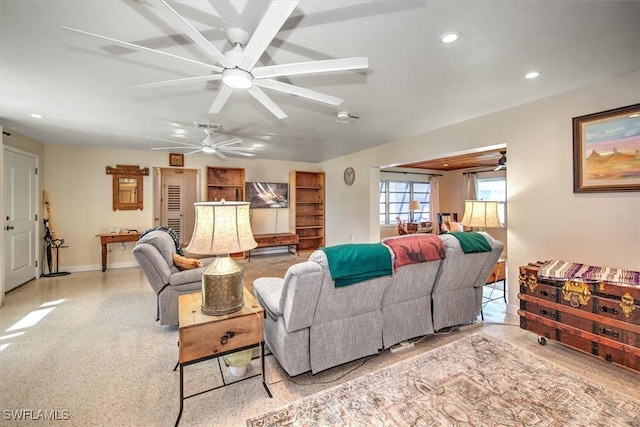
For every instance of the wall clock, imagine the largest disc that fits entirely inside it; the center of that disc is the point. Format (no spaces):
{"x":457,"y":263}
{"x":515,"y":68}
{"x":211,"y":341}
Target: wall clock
{"x":349,"y":176}
{"x":176,"y":159}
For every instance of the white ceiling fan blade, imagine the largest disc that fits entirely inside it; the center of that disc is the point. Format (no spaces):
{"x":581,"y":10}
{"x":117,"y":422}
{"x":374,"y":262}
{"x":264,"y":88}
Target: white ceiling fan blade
{"x":209,"y":77}
{"x":223,"y":94}
{"x":219,"y":154}
{"x":311,"y":67}
{"x":244,"y":154}
{"x":198,"y":38}
{"x":226,"y":143}
{"x":262,"y":97}
{"x":172,"y":148}
{"x":273,"y":19}
{"x":243,"y":149}
{"x":172,"y":141}
{"x":193,"y":152}
{"x":241,"y":153}
{"x":145,"y":49}
{"x":298,"y":91}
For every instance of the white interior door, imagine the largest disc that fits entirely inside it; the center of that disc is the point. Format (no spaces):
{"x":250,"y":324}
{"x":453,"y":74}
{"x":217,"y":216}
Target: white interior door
{"x":173,"y":209}
{"x":20,"y":218}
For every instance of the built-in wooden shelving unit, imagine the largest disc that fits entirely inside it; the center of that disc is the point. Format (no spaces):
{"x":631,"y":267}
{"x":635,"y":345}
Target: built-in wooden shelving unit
{"x":307,"y":213}
{"x":225,"y":183}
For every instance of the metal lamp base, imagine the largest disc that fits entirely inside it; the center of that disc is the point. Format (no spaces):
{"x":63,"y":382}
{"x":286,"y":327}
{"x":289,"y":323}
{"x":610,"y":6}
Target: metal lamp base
{"x":222,"y":287}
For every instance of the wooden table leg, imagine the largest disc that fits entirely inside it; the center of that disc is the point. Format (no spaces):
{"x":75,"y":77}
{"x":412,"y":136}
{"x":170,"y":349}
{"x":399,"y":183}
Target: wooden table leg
{"x":104,"y":257}
{"x":264,"y":380}
{"x":181,"y":395}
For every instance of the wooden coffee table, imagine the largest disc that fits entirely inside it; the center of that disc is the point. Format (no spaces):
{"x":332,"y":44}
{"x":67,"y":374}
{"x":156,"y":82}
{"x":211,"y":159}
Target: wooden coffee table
{"x":205,"y":337}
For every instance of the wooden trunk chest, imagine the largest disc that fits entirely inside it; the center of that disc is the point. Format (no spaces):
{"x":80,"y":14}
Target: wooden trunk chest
{"x":599,"y":318}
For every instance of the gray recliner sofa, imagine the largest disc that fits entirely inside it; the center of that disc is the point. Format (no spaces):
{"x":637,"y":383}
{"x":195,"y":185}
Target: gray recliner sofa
{"x":154,"y":254}
{"x":312,"y":325}
{"x":457,"y":293}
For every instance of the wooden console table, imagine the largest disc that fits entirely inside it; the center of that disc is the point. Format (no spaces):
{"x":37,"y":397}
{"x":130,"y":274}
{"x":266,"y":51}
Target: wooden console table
{"x":106,"y":238}
{"x":290,"y":240}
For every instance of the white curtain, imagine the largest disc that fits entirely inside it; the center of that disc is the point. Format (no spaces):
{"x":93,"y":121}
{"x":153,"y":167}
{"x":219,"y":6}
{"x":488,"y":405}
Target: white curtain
{"x":434,"y":202}
{"x":470,"y":183}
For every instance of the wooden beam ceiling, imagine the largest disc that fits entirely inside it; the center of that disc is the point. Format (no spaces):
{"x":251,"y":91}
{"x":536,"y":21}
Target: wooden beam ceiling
{"x":487,"y":159}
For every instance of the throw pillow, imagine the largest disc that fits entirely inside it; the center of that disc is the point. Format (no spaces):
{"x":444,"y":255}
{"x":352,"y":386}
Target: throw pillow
{"x":455,"y":226}
{"x":186,"y":263}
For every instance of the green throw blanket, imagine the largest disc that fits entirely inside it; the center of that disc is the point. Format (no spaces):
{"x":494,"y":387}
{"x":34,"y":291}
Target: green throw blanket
{"x":472,"y":242}
{"x":356,"y":262}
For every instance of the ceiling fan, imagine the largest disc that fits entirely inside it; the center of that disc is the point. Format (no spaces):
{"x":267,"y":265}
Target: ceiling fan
{"x":209,"y":145}
{"x":502,"y":162}
{"x":237,"y":68}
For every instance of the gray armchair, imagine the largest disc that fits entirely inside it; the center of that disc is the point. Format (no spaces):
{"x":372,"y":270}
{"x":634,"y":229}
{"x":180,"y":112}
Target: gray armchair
{"x":154,"y":254}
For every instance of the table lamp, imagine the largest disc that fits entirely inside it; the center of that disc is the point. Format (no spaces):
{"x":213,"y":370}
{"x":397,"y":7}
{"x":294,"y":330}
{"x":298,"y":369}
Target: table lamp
{"x":481,"y":214}
{"x":221,"y":228}
{"x":414,"y":205}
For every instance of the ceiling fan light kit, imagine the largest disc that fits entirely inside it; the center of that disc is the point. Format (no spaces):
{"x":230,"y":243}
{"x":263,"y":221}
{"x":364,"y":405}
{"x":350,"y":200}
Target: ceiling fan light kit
{"x":208,"y":150}
{"x":236,"y":78}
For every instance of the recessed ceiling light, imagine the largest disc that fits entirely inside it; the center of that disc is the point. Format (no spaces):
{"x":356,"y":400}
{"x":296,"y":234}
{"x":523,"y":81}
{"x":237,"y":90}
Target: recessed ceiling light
{"x":532,"y":74}
{"x":36,"y":116}
{"x":445,"y":165}
{"x":450,"y":37}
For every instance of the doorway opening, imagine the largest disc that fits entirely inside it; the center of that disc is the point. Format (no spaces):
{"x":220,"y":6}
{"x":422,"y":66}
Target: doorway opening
{"x":174,"y":193}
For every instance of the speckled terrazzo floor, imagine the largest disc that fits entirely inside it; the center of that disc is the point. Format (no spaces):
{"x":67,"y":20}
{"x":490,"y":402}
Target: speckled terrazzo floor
{"x":98,"y":357}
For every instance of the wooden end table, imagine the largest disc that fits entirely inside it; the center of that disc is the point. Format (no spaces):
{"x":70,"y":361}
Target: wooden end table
{"x":205,"y":337}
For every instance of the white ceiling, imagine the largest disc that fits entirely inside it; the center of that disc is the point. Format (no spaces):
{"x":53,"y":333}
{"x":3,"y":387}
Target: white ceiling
{"x":414,"y":83}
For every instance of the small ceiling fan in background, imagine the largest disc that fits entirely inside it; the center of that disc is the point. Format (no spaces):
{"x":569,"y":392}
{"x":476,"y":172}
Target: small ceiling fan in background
{"x":236,"y":67}
{"x":209,"y":145}
{"x":502,"y":162}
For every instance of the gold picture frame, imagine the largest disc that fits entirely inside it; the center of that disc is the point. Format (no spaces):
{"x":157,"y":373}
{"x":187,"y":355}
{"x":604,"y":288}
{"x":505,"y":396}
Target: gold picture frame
{"x":606,"y":153}
{"x":176,"y":159}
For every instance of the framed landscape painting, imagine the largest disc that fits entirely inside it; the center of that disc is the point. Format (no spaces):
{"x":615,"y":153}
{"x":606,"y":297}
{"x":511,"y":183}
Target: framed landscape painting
{"x":606,"y":151}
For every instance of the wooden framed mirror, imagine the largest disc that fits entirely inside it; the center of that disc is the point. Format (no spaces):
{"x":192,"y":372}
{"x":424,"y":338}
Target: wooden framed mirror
{"x":127,"y":186}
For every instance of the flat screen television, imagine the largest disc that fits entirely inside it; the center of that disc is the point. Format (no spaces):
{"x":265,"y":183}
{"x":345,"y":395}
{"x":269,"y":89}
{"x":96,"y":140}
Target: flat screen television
{"x":267,"y":194}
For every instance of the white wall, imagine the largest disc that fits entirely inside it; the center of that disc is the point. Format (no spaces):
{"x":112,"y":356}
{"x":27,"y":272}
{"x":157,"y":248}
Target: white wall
{"x":546,"y":219}
{"x":80,"y":193}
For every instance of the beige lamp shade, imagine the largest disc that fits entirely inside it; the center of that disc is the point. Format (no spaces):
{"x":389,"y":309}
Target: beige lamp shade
{"x":481,"y":214}
{"x":414,"y":205}
{"x":221,"y":228}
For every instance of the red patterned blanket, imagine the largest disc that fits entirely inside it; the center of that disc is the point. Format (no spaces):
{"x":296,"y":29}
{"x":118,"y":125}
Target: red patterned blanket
{"x":415,"y":248}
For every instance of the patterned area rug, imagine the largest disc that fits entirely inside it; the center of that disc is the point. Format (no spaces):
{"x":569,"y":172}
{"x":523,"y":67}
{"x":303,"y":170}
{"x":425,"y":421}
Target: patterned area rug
{"x":476,"y":381}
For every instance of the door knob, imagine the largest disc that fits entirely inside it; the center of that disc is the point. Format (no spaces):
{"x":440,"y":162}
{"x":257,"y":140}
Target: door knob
{"x":10,"y":227}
